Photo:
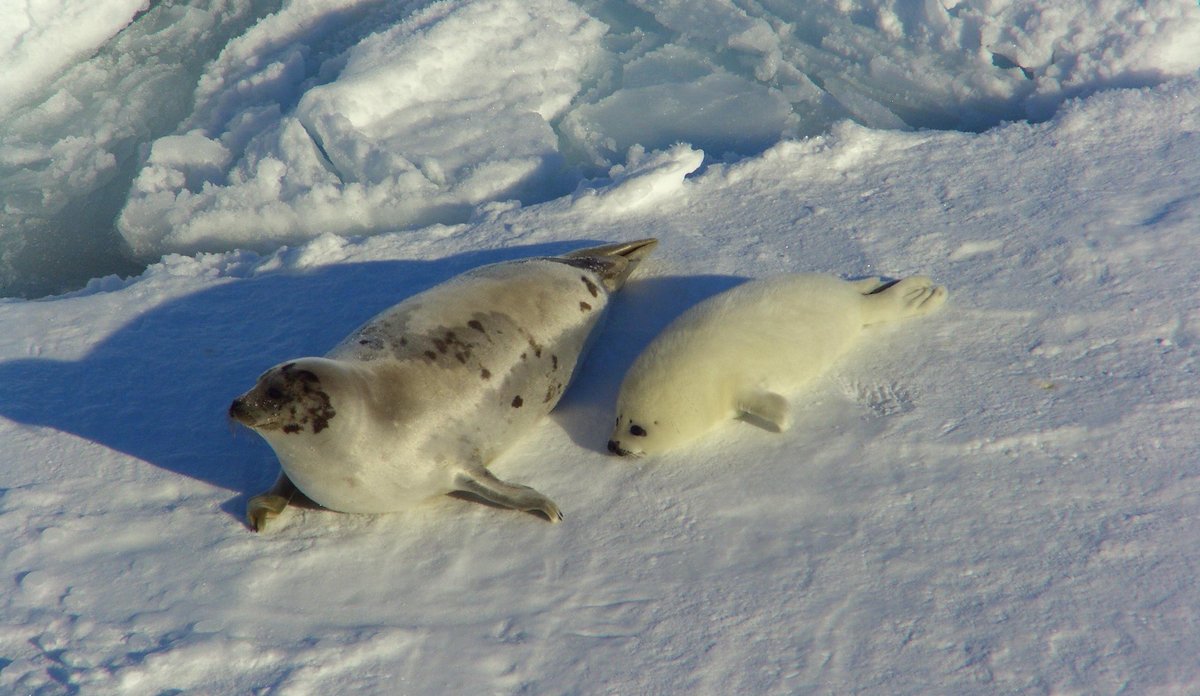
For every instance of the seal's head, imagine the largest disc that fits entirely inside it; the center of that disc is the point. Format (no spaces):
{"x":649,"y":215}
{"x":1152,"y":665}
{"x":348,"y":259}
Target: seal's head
{"x":670,"y":395}
{"x":651,"y":420}
{"x":640,"y":432}
{"x":290,"y":399}
{"x":627,"y":438}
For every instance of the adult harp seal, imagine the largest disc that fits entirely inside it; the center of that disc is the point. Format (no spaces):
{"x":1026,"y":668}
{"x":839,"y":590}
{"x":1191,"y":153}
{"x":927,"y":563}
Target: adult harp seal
{"x":417,"y":401}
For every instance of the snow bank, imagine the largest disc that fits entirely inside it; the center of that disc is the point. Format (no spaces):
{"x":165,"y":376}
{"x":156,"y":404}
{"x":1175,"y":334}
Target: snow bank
{"x":250,"y":124}
{"x":70,"y":148}
{"x":404,"y":137}
{"x":40,"y":37}
{"x":416,"y":124}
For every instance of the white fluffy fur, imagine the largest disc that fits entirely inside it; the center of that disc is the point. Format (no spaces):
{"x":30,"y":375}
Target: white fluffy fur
{"x":735,"y":354}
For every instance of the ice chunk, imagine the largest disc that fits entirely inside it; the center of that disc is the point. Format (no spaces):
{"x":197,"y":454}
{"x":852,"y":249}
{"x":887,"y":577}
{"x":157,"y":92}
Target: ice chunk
{"x":422,"y":121}
{"x":643,"y":180}
{"x":45,"y":36}
{"x":672,"y":96}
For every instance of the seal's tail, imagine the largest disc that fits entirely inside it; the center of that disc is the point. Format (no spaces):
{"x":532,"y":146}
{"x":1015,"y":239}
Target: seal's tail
{"x":613,"y":262}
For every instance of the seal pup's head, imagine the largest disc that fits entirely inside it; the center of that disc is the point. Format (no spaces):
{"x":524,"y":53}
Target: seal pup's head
{"x":296,"y":398}
{"x":660,"y":408}
{"x":651,"y":426}
{"x":675,"y":391}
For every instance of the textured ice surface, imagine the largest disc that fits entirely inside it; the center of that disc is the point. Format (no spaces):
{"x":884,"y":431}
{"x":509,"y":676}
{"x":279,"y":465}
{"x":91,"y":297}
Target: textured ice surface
{"x":127,"y":132}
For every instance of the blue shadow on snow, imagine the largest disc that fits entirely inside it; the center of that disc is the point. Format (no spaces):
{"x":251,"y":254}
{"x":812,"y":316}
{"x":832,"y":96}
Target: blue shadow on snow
{"x":158,"y":388}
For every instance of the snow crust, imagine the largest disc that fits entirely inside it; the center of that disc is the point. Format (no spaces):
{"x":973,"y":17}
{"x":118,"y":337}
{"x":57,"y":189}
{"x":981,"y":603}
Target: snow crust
{"x":999,"y":498}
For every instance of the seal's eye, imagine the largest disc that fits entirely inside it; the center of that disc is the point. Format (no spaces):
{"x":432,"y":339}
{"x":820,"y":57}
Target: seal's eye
{"x":637,"y":431}
{"x":274,"y":393}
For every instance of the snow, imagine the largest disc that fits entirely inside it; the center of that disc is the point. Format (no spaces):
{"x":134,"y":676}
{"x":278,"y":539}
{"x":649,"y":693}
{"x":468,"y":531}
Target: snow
{"x":1001,"y":497}
{"x":41,"y":37}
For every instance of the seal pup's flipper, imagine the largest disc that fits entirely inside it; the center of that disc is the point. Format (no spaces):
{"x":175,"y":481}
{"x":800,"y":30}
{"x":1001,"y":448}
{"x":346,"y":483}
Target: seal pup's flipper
{"x":482,"y":483}
{"x":871,"y":285}
{"x":612,"y":262}
{"x":265,"y":507}
{"x":766,"y":409}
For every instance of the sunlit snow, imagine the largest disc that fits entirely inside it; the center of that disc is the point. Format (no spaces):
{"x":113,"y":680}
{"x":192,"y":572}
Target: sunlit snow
{"x":1000,"y":498}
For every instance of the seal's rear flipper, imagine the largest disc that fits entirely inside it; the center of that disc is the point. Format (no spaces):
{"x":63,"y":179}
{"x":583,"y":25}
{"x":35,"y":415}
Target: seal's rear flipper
{"x":871,"y":285}
{"x":612,"y":262}
{"x":909,"y":297}
{"x":481,"y":482}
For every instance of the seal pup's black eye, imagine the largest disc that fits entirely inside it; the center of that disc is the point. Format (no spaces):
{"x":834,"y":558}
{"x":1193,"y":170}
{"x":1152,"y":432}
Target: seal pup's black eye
{"x":274,"y":393}
{"x":637,"y":431}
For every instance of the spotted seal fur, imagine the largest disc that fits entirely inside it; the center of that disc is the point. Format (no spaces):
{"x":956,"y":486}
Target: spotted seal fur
{"x":419,"y":400}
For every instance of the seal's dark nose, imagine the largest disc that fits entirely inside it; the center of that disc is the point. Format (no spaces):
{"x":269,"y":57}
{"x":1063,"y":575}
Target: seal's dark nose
{"x":615,"y":448}
{"x":237,"y":410}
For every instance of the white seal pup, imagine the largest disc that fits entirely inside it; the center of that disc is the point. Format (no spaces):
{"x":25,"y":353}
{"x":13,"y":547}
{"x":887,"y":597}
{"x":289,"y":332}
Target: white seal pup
{"x":736,"y":353}
{"x":417,"y":401}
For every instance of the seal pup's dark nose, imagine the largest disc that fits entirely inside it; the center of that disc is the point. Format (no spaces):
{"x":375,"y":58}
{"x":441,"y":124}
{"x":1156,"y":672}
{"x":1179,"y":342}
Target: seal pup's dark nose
{"x":616,"y":448}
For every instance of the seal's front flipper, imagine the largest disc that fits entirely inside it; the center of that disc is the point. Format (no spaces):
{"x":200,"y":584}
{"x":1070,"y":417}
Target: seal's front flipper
{"x":266,"y":506}
{"x":765,"y":409}
{"x":482,"y":483}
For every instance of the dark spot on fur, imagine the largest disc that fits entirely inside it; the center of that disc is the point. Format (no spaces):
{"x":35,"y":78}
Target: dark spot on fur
{"x":485,"y":373}
{"x":553,"y":362}
{"x":363,"y":342}
{"x":585,"y":307}
{"x":403,"y":341}
{"x":448,"y":343}
{"x":524,"y":356}
{"x":537,"y":349}
{"x":431,"y":355}
{"x":307,"y":402}
{"x":517,"y":401}
{"x":474,"y":324}
{"x":590,"y":286}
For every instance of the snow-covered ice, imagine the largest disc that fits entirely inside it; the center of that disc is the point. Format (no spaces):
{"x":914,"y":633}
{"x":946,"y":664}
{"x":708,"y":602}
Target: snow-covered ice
{"x":999,"y":498}
{"x":251,"y":123}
